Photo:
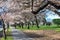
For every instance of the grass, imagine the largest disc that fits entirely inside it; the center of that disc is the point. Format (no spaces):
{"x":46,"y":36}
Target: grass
{"x":43,"y":27}
{"x":9,"y":36}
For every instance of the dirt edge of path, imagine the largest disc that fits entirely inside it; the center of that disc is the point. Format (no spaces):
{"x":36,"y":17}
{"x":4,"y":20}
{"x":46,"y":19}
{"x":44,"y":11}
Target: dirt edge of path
{"x":43,"y":34}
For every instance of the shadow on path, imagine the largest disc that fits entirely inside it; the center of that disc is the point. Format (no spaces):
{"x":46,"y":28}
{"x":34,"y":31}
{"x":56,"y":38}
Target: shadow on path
{"x":32,"y":35}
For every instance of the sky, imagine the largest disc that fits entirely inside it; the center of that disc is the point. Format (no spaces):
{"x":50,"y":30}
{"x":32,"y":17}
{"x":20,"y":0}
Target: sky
{"x":50,"y":15}
{"x":58,"y":10}
{"x":3,"y":9}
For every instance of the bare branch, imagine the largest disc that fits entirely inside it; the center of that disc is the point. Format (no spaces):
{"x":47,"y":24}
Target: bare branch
{"x":45,"y":5}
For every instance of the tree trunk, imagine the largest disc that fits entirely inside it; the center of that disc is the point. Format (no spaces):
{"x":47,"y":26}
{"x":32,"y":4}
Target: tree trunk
{"x":44,"y":21}
{"x":32,"y":23}
{"x":36,"y":22}
{"x":15,"y":25}
{"x":4,"y":33}
{"x":28,"y":25}
{"x":8,"y":25}
{"x":22,"y":24}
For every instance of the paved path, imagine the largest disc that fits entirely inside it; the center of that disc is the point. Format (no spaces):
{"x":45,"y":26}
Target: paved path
{"x":19,"y":35}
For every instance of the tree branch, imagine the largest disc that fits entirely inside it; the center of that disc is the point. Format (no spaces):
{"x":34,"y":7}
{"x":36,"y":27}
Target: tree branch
{"x":53,"y":4}
{"x":42,"y":7}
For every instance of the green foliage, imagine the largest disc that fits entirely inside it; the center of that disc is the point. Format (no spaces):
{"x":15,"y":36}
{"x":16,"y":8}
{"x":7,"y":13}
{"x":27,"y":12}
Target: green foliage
{"x":42,"y":27}
{"x":56,"y":21}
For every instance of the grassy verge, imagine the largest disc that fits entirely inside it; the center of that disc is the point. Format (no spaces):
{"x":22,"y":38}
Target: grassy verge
{"x":52,"y":27}
{"x":9,"y":36}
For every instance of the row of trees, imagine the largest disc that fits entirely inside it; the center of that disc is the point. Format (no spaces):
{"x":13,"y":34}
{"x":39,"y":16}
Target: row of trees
{"x":21,"y":7}
{"x":26,"y":15}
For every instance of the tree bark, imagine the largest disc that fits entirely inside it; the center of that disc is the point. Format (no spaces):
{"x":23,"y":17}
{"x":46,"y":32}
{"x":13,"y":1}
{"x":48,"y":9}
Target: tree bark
{"x":4,"y":33}
{"x":36,"y":22}
{"x":45,"y":5}
{"x":28,"y":25}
